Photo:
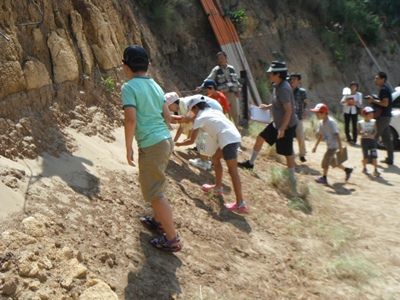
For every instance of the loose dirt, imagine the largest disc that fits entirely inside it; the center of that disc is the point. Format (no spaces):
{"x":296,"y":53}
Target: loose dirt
{"x":338,"y":242}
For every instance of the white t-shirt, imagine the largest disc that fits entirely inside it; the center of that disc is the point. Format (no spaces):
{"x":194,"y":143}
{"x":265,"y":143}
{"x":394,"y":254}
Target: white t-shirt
{"x":367,"y":127}
{"x":184,"y":106}
{"x":350,"y":107}
{"x":218,"y":126}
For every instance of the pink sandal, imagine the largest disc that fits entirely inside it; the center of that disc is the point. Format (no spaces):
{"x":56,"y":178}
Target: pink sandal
{"x":211,"y":188}
{"x":241,"y":208}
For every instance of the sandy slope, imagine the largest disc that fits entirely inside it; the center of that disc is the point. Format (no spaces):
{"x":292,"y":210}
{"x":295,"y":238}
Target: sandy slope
{"x":272,"y":252}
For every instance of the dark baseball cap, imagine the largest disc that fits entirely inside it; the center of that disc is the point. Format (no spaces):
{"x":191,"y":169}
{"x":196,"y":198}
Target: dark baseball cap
{"x":297,"y":75}
{"x":208,"y":83}
{"x":135,"y":56}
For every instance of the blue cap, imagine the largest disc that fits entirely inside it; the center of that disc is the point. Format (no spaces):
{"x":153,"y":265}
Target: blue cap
{"x":208,"y":83}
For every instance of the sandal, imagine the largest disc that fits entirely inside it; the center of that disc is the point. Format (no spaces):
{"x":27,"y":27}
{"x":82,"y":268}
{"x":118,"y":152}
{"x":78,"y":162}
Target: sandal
{"x":211,"y":188}
{"x":241,"y":208}
{"x":165,"y":245}
{"x":151,"y":223}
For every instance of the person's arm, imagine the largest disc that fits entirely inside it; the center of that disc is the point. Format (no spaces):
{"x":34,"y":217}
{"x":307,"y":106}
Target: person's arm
{"x":372,"y":136}
{"x":286,"y":119}
{"x":383,"y":102}
{"x":337,"y":136}
{"x":358,"y":101}
{"x":305,"y":107}
{"x":167,"y":115}
{"x":178,"y":133}
{"x":360,"y":131}
{"x":185,"y":119}
{"x":130,"y":128}
{"x":344,"y":100}
{"x":190,"y":140}
{"x":265,"y":106}
{"x":320,"y":136}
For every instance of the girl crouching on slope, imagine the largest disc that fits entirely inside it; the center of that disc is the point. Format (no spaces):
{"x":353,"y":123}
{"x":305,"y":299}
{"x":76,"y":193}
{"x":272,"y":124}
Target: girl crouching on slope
{"x":227,"y":140}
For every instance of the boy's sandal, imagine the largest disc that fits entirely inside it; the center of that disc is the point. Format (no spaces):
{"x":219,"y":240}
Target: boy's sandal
{"x":165,"y":245}
{"x":151,"y":223}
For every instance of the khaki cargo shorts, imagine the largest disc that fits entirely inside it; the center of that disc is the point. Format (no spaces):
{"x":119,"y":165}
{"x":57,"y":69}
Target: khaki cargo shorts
{"x":153,"y":161}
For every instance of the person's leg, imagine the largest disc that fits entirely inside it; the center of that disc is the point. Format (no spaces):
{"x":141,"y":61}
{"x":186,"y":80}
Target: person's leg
{"x":326,"y":161}
{"x":387,"y":141}
{"x":347,"y":126}
{"x":233,"y":103}
{"x":383,"y":130}
{"x":364,"y":163}
{"x":236,"y":182}
{"x":163,"y":214}
{"x":216,"y":160}
{"x":365,"y":153}
{"x":375,"y":163}
{"x":290,"y":162}
{"x":300,"y":138}
{"x":153,"y":161}
{"x":354,"y":119}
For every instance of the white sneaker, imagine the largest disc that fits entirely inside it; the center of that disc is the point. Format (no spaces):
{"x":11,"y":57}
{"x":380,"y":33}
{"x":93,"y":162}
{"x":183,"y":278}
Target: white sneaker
{"x":209,"y":164}
{"x":239,"y":150}
{"x":199,"y":163}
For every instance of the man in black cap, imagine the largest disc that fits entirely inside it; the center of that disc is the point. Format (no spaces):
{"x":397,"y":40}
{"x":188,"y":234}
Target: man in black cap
{"x":282,"y":130}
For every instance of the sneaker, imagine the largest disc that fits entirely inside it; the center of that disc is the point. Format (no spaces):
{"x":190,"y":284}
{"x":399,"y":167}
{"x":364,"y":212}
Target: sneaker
{"x":321,"y":180}
{"x":377,"y":173}
{"x":348,"y":173}
{"x":197,"y":162}
{"x":246,"y":165}
{"x":193,"y":149}
{"x":209,"y":164}
{"x":366,"y":172}
{"x":211,"y":188}
{"x":239,"y":150}
{"x":303,"y":159}
{"x":387,"y":161}
{"x":241,"y":208}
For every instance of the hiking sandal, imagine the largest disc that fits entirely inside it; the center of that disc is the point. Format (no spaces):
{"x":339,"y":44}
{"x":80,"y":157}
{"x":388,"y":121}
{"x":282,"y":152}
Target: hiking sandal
{"x":165,"y":245}
{"x":151,"y":223}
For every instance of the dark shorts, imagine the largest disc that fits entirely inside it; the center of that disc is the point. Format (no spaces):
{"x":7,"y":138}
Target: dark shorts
{"x":284,"y":146}
{"x":369,"y":148}
{"x":230,"y":151}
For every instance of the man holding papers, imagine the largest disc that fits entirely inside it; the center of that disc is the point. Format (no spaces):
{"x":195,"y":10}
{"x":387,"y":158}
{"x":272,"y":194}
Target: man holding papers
{"x":282,"y":130}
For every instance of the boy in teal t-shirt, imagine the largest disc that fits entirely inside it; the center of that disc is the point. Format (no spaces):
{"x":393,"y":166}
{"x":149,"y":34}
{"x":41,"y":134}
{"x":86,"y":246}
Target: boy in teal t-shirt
{"x":147,"y":118}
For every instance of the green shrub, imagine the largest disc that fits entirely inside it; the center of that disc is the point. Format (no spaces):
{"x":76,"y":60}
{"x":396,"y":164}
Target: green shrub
{"x":164,"y":15}
{"x":238,"y":19}
{"x":109,"y":83}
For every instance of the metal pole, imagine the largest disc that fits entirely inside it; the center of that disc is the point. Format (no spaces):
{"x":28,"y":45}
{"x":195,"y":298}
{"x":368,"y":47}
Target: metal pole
{"x":4,"y":36}
{"x":370,"y":54}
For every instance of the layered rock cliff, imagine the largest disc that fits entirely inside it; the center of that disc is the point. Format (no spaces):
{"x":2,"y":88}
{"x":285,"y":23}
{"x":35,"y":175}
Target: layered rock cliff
{"x":57,"y":56}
